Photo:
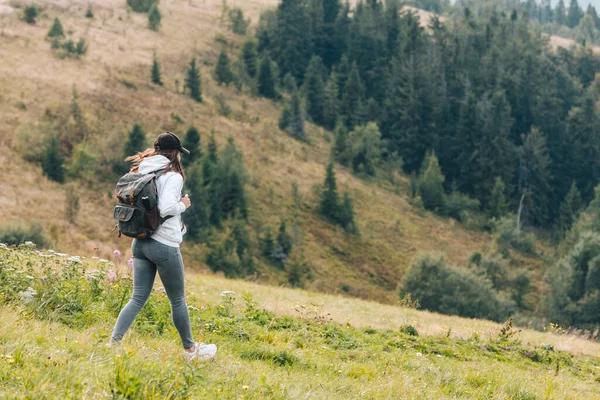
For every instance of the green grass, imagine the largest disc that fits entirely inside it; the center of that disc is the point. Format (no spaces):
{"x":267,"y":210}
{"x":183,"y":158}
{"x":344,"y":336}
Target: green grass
{"x":52,"y":346}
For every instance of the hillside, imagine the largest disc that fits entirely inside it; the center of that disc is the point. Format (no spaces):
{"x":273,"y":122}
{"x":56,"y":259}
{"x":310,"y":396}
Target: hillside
{"x":57,"y":351}
{"x":112,"y":83}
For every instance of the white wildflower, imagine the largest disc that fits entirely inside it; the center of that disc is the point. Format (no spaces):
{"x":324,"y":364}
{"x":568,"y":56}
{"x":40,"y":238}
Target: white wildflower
{"x":3,"y":246}
{"x":28,"y":276}
{"x":74,"y":259}
{"x":419,"y":355}
{"x":103,"y":261}
{"x":28,"y":294}
{"x":226,"y":293}
{"x":63,"y":255}
{"x":192,"y":308}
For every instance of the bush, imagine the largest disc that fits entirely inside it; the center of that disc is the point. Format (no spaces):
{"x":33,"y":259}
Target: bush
{"x":30,"y":13}
{"x":141,"y":5}
{"x":238,"y":24}
{"x":431,"y":185}
{"x":458,"y":206}
{"x":16,"y":233}
{"x":449,"y":290}
{"x":154,"y":18}
{"x":508,"y":236}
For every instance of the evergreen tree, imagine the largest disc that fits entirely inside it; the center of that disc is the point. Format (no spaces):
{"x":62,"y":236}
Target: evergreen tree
{"x":329,"y":202}
{"x":56,"y":30}
{"x":284,"y":118}
{"x":561,"y":13}
{"x":89,"y":13}
{"x":353,"y":98}
{"x":155,"y":75}
{"x":193,"y":83}
{"x":498,"y":204}
{"x":196,"y":217}
{"x":534,"y":176}
{"x":191,"y":141}
{"x":238,"y":24}
{"x":331,"y":106}
{"x":342,"y":74}
{"x":591,"y":11}
{"x":574,"y":14}
{"x":341,"y":147}
{"x":250,"y":57}
{"x":296,"y":125}
{"x":569,"y":209}
{"x":232,"y":177}
{"x":52,"y":161}
{"x":154,"y":18}
{"x":223,"y":72}
{"x":211,"y":174}
{"x":346,"y":214}
{"x":136,"y":141}
{"x":292,"y":47}
{"x":284,"y":240}
{"x":266,"y":79}
{"x":30,"y":13}
{"x":268,"y":244}
{"x":314,"y":91}
{"x":431,"y":184}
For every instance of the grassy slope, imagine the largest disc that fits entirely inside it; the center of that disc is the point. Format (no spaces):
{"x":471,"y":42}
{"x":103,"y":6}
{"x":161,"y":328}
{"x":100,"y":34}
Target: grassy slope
{"x":120,"y":49}
{"x":264,"y":356}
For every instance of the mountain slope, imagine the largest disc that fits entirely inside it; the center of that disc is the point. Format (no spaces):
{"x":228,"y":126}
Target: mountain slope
{"x":113,"y":91}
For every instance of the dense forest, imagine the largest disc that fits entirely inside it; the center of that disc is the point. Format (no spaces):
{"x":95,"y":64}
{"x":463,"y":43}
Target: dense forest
{"x":485,"y":94}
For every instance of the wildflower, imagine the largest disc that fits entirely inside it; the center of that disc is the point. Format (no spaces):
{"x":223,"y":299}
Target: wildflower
{"x":28,"y":276}
{"x":117,"y":253}
{"x":74,"y":259}
{"x":226,"y":293}
{"x":192,"y":308}
{"x":112,"y":276}
{"x":103,"y":261}
{"x":63,"y":255}
{"x":130,"y":262}
{"x":28,"y":294}
{"x":419,"y":355}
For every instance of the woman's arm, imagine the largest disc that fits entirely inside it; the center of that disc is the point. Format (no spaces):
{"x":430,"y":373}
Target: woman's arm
{"x":169,"y":199}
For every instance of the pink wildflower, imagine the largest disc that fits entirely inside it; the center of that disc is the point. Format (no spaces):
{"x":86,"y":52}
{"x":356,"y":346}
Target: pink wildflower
{"x":112,"y":276}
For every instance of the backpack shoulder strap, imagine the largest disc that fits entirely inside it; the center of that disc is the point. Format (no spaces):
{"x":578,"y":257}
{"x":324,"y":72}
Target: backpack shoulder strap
{"x":158,"y":174}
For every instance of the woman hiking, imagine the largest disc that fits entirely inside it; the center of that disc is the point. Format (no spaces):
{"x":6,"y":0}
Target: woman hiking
{"x":160,"y":253}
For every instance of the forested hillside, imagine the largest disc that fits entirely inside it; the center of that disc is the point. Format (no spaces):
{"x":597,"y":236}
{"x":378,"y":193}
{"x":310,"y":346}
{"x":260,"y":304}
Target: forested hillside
{"x":332,"y":145}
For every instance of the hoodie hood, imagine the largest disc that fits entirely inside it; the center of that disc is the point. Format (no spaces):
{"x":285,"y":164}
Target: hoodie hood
{"x":152,"y":164}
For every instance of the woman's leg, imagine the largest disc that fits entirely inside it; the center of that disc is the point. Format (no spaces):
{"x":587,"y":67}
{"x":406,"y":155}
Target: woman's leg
{"x":144,"y":272}
{"x":171,"y":275}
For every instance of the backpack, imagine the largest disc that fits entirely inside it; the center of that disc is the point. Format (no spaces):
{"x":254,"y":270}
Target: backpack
{"x":137,"y":212}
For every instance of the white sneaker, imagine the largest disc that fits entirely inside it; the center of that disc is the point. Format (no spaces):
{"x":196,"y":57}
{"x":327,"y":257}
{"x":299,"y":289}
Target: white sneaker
{"x":201,"y":352}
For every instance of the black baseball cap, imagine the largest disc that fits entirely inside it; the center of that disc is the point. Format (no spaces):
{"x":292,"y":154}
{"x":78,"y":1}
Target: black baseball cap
{"x":169,"y":141}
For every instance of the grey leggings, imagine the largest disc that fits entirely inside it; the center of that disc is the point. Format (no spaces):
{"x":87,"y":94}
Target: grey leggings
{"x":148,"y":257}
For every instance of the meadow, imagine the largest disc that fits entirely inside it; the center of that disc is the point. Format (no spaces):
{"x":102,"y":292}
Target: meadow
{"x":58,"y":311}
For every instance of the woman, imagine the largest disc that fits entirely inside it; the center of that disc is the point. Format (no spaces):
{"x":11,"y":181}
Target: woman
{"x":161,"y":252}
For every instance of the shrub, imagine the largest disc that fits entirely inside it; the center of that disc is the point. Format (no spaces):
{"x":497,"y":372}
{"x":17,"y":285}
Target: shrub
{"x":367,"y":148}
{"x":141,"y":5}
{"x":154,"y":18}
{"x":16,"y":233}
{"x":508,"y":236}
{"x":449,"y":290}
{"x":431,"y":184}
{"x":30,"y":13}
{"x":56,"y":30}
{"x":52,"y":161}
{"x":238,"y":24}
{"x":458,"y":206}
{"x":89,"y":13}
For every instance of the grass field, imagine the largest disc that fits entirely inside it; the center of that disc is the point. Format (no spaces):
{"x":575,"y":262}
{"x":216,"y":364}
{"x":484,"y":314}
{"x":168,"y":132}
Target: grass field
{"x":53,"y":352}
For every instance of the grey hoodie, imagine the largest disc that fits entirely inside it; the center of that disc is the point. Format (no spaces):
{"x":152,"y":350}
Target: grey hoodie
{"x":169,"y":186}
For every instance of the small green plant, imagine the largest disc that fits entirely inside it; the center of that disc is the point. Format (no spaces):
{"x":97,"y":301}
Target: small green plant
{"x":56,"y":30}
{"x":237,"y":23}
{"x":141,"y":5}
{"x":409,"y":330}
{"x":30,"y":14}
{"x":154,"y":18}
{"x":89,"y":13}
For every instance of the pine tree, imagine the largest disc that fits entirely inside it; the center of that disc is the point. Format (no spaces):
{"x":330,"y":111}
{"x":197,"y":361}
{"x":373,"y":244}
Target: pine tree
{"x":155,"y":75}
{"x":284,"y":118}
{"x":30,"y":13}
{"x":154,"y":18}
{"x":136,"y":141}
{"x":89,"y":13}
{"x":498,"y":204}
{"x":56,"y":30}
{"x":223,"y":72}
{"x":534,"y":176}
{"x":343,"y":73}
{"x":268,"y":244}
{"x":52,"y":161}
{"x":266,"y":79}
{"x":352,"y":99}
{"x":569,"y":209}
{"x":193,"y":83}
{"x":196,"y":217}
{"x":250,"y":57}
{"x":329,"y":202}
{"x":561,"y":13}
{"x":191,"y":141}
{"x":232,"y":177}
{"x":296,"y":127}
{"x":212,"y":182}
{"x":331,"y":106}
{"x":346,"y":214}
{"x":341,"y":147}
{"x":431,"y":184}
{"x":574,"y":14}
{"x":284,"y":240}
{"x":314,"y":91}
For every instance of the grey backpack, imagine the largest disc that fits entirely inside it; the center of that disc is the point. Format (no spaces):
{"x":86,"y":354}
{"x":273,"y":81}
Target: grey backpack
{"x":137,"y":212}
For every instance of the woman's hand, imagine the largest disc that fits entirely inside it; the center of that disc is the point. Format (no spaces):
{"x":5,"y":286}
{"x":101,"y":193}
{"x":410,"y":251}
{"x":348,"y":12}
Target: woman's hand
{"x":186,"y":201}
